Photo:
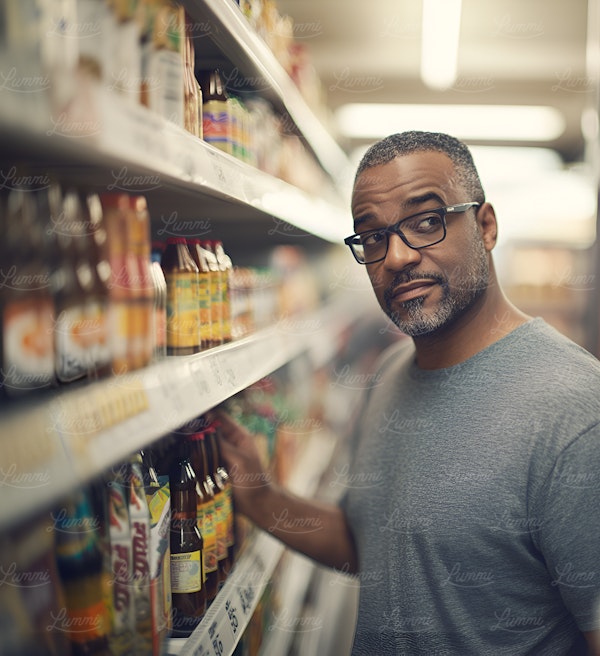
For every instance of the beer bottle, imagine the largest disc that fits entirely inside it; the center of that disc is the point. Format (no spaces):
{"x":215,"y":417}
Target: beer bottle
{"x":206,"y":513}
{"x":187,"y":562}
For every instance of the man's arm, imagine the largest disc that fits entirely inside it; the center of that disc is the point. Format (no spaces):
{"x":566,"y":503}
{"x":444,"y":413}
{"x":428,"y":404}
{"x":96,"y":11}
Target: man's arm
{"x":593,"y":641}
{"x":318,"y":530}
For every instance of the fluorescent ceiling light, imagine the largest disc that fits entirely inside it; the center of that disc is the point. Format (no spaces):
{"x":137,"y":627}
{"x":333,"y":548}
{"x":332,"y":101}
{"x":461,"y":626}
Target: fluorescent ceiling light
{"x":469,"y":122}
{"x":439,"y":42}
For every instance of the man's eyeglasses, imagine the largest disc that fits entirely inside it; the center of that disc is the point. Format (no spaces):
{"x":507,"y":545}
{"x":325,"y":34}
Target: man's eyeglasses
{"x":417,"y":231}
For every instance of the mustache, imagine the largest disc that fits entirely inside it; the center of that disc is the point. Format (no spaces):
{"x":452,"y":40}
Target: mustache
{"x":403,"y":277}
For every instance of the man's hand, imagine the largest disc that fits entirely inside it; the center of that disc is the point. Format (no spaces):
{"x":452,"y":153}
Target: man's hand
{"x":251,"y":482}
{"x":318,"y":530}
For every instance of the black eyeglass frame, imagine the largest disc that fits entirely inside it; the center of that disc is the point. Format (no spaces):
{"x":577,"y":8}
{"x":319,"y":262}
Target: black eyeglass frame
{"x":395,"y":229}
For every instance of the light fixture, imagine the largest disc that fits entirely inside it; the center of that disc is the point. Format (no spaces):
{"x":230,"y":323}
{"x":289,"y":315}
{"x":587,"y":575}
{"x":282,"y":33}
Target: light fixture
{"x":523,"y":123}
{"x":439,"y":42}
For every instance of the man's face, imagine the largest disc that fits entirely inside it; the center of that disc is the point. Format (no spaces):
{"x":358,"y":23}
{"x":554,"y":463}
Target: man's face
{"x":422,"y":290}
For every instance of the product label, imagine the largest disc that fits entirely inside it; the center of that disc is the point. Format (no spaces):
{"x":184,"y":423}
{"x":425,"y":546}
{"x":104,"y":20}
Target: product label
{"x":28,"y":345}
{"x":72,"y":344}
{"x":186,"y":572}
{"x":208,"y":529}
{"x":216,"y":307}
{"x":120,"y":322}
{"x":216,"y":124}
{"x":183,"y":320}
{"x":221,"y":522}
{"x":204,"y":301}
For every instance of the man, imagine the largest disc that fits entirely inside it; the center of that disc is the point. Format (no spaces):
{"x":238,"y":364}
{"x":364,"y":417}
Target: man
{"x":484,"y":535}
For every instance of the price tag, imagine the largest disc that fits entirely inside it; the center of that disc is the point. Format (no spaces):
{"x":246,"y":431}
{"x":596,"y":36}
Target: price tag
{"x":216,"y":642}
{"x":232,"y":615}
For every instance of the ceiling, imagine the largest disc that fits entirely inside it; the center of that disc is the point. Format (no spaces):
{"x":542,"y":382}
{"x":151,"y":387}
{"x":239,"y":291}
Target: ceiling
{"x":510,"y":52}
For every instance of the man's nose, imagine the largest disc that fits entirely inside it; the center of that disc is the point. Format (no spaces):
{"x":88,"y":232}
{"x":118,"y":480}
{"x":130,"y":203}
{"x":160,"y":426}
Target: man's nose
{"x":399,"y":255}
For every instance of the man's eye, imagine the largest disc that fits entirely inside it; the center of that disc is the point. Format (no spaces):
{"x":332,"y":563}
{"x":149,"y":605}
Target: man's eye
{"x":372,"y":238}
{"x":428,"y":223}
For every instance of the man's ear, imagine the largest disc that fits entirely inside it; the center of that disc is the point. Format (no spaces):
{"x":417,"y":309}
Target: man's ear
{"x":488,"y":226}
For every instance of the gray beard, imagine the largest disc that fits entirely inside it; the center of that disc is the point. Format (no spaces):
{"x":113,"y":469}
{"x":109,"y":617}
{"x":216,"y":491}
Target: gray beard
{"x":470,"y":286}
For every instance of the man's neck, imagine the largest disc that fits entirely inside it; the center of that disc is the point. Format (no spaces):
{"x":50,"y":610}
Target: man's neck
{"x":489,"y":320}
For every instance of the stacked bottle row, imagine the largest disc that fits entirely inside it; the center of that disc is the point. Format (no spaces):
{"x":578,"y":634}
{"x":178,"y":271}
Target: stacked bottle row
{"x":197,"y":276}
{"x":84,"y":293}
{"x":124,"y":563}
{"x":77,"y":296}
{"x":145,"y":51}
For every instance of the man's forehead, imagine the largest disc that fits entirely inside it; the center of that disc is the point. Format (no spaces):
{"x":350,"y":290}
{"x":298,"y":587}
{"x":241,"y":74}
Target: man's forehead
{"x":421,"y":167}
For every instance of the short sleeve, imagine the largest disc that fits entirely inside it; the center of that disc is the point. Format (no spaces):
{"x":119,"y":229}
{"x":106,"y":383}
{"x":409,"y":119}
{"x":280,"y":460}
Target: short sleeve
{"x":570,"y":528}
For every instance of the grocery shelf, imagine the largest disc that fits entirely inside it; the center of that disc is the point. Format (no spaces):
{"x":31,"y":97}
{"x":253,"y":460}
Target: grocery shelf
{"x":126,"y":147}
{"x":225,"y":25}
{"x":227,"y":618}
{"x":53,"y":444}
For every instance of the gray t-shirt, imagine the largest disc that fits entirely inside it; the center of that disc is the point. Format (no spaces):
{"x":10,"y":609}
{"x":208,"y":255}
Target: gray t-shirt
{"x":474,"y":499}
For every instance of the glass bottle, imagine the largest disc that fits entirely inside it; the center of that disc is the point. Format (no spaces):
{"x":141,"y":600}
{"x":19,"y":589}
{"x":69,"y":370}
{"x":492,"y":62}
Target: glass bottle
{"x":187,"y":562}
{"x":206,"y":513}
{"x":223,"y":556}
{"x":26,"y":301}
{"x":181,"y":274}
{"x":225,"y":479}
{"x":199,"y":256}
{"x":216,"y":110}
{"x":138,"y":228}
{"x":72,"y":282}
{"x":225,"y":267}
{"x":216,"y":299}
{"x":99,"y":301}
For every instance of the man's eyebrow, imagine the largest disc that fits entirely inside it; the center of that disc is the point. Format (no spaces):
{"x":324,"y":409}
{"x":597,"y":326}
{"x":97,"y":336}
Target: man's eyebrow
{"x":363,"y":218}
{"x":415,"y":201}
{"x":409,"y":204}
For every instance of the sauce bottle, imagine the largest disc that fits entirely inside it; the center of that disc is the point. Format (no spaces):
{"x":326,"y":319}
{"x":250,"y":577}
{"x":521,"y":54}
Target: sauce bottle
{"x":138,"y":233}
{"x":187,"y":561}
{"x":26,"y":302}
{"x":115,"y":209}
{"x":80,"y":562}
{"x":199,"y":255}
{"x":224,"y":560}
{"x":223,"y":476}
{"x":216,"y":111}
{"x":73,"y":281}
{"x":181,"y":274}
{"x":99,"y":301}
{"x":225,"y":267}
{"x":206,"y":513}
{"x":159,"y":319}
{"x":216,"y":298}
